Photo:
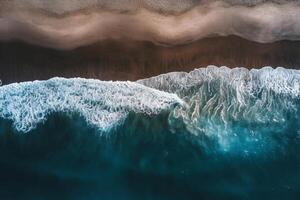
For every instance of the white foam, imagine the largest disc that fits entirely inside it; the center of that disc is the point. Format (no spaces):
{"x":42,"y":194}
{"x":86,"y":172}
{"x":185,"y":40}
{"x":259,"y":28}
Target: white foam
{"x":280,"y":80}
{"x":214,"y":98}
{"x":218,"y":97}
{"x":56,"y":6}
{"x":265,"y":22}
{"x":103,"y":104}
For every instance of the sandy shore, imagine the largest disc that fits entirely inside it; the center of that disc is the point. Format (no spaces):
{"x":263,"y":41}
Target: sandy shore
{"x":130,"y":60}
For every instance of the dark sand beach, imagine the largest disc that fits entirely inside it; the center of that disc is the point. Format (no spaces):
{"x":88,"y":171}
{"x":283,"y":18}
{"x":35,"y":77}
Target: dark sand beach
{"x":131,"y":60}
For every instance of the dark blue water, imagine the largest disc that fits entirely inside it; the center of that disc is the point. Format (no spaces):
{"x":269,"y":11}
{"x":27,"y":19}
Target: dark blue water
{"x":228,"y":134}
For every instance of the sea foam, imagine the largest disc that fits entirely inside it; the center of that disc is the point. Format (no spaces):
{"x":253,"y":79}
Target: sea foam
{"x":213,"y":101}
{"x":230,"y":103}
{"x":260,"y":21}
{"x":103,"y":104}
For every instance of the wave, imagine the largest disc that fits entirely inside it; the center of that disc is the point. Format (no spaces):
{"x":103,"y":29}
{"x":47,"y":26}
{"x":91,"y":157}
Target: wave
{"x":213,"y":133}
{"x":103,"y":104}
{"x":220,"y":103}
{"x":125,"y":5}
{"x":235,"y":104}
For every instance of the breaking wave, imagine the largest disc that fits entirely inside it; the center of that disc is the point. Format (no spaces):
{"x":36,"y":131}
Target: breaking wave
{"x":211,"y":133}
{"x":231,"y":103}
{"x":103,"y":104}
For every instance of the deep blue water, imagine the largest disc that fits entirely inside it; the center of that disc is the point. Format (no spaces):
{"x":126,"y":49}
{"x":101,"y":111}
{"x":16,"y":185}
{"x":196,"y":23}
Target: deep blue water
{"x":214,"y":133}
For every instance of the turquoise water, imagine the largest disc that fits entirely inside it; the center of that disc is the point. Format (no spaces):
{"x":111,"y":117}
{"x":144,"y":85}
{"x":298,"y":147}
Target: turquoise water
{"x":213,"y":133}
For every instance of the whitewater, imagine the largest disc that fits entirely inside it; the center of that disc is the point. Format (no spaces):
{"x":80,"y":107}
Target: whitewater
{"x":193,"y":128}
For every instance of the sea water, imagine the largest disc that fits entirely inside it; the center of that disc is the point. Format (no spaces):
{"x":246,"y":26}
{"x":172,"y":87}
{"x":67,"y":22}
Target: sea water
{"x":213,"y":133}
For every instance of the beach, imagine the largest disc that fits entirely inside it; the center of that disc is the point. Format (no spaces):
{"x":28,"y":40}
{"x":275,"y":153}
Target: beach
{"x":132,"y":60}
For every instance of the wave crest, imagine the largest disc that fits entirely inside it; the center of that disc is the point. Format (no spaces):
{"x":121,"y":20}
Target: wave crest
{"x":103,"y":104}
{"x":239,"y":108}
{"x":230,"y":103}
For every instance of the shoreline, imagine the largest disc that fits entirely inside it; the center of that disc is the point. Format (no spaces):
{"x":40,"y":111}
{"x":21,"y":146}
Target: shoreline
{"x":132,"y":60}
{"x":264,"y":23}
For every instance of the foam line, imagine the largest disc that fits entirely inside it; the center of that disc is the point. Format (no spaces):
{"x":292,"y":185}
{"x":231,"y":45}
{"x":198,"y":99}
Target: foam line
{"x":165,"y":6}
{"x":265,"y":22}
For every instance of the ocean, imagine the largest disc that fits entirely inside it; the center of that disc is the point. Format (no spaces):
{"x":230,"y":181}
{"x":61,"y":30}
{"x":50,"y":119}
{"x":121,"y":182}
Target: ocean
{"x":212,"y":133}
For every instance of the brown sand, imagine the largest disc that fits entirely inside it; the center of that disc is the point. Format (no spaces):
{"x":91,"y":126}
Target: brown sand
{"x":130,"y":60}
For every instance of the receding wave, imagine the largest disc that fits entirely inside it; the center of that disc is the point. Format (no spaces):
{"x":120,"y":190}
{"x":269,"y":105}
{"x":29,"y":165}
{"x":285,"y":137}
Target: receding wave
{"x":259,"y":21}
{"x":128,"y":5}
{"x":213,"y":132}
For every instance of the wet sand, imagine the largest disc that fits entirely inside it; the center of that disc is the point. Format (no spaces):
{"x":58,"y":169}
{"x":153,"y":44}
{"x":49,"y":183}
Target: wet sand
{"x":131,"y":60}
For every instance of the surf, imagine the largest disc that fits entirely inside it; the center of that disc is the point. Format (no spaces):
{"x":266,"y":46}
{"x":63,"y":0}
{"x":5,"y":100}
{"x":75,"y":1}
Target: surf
{"x":213,"y":127}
